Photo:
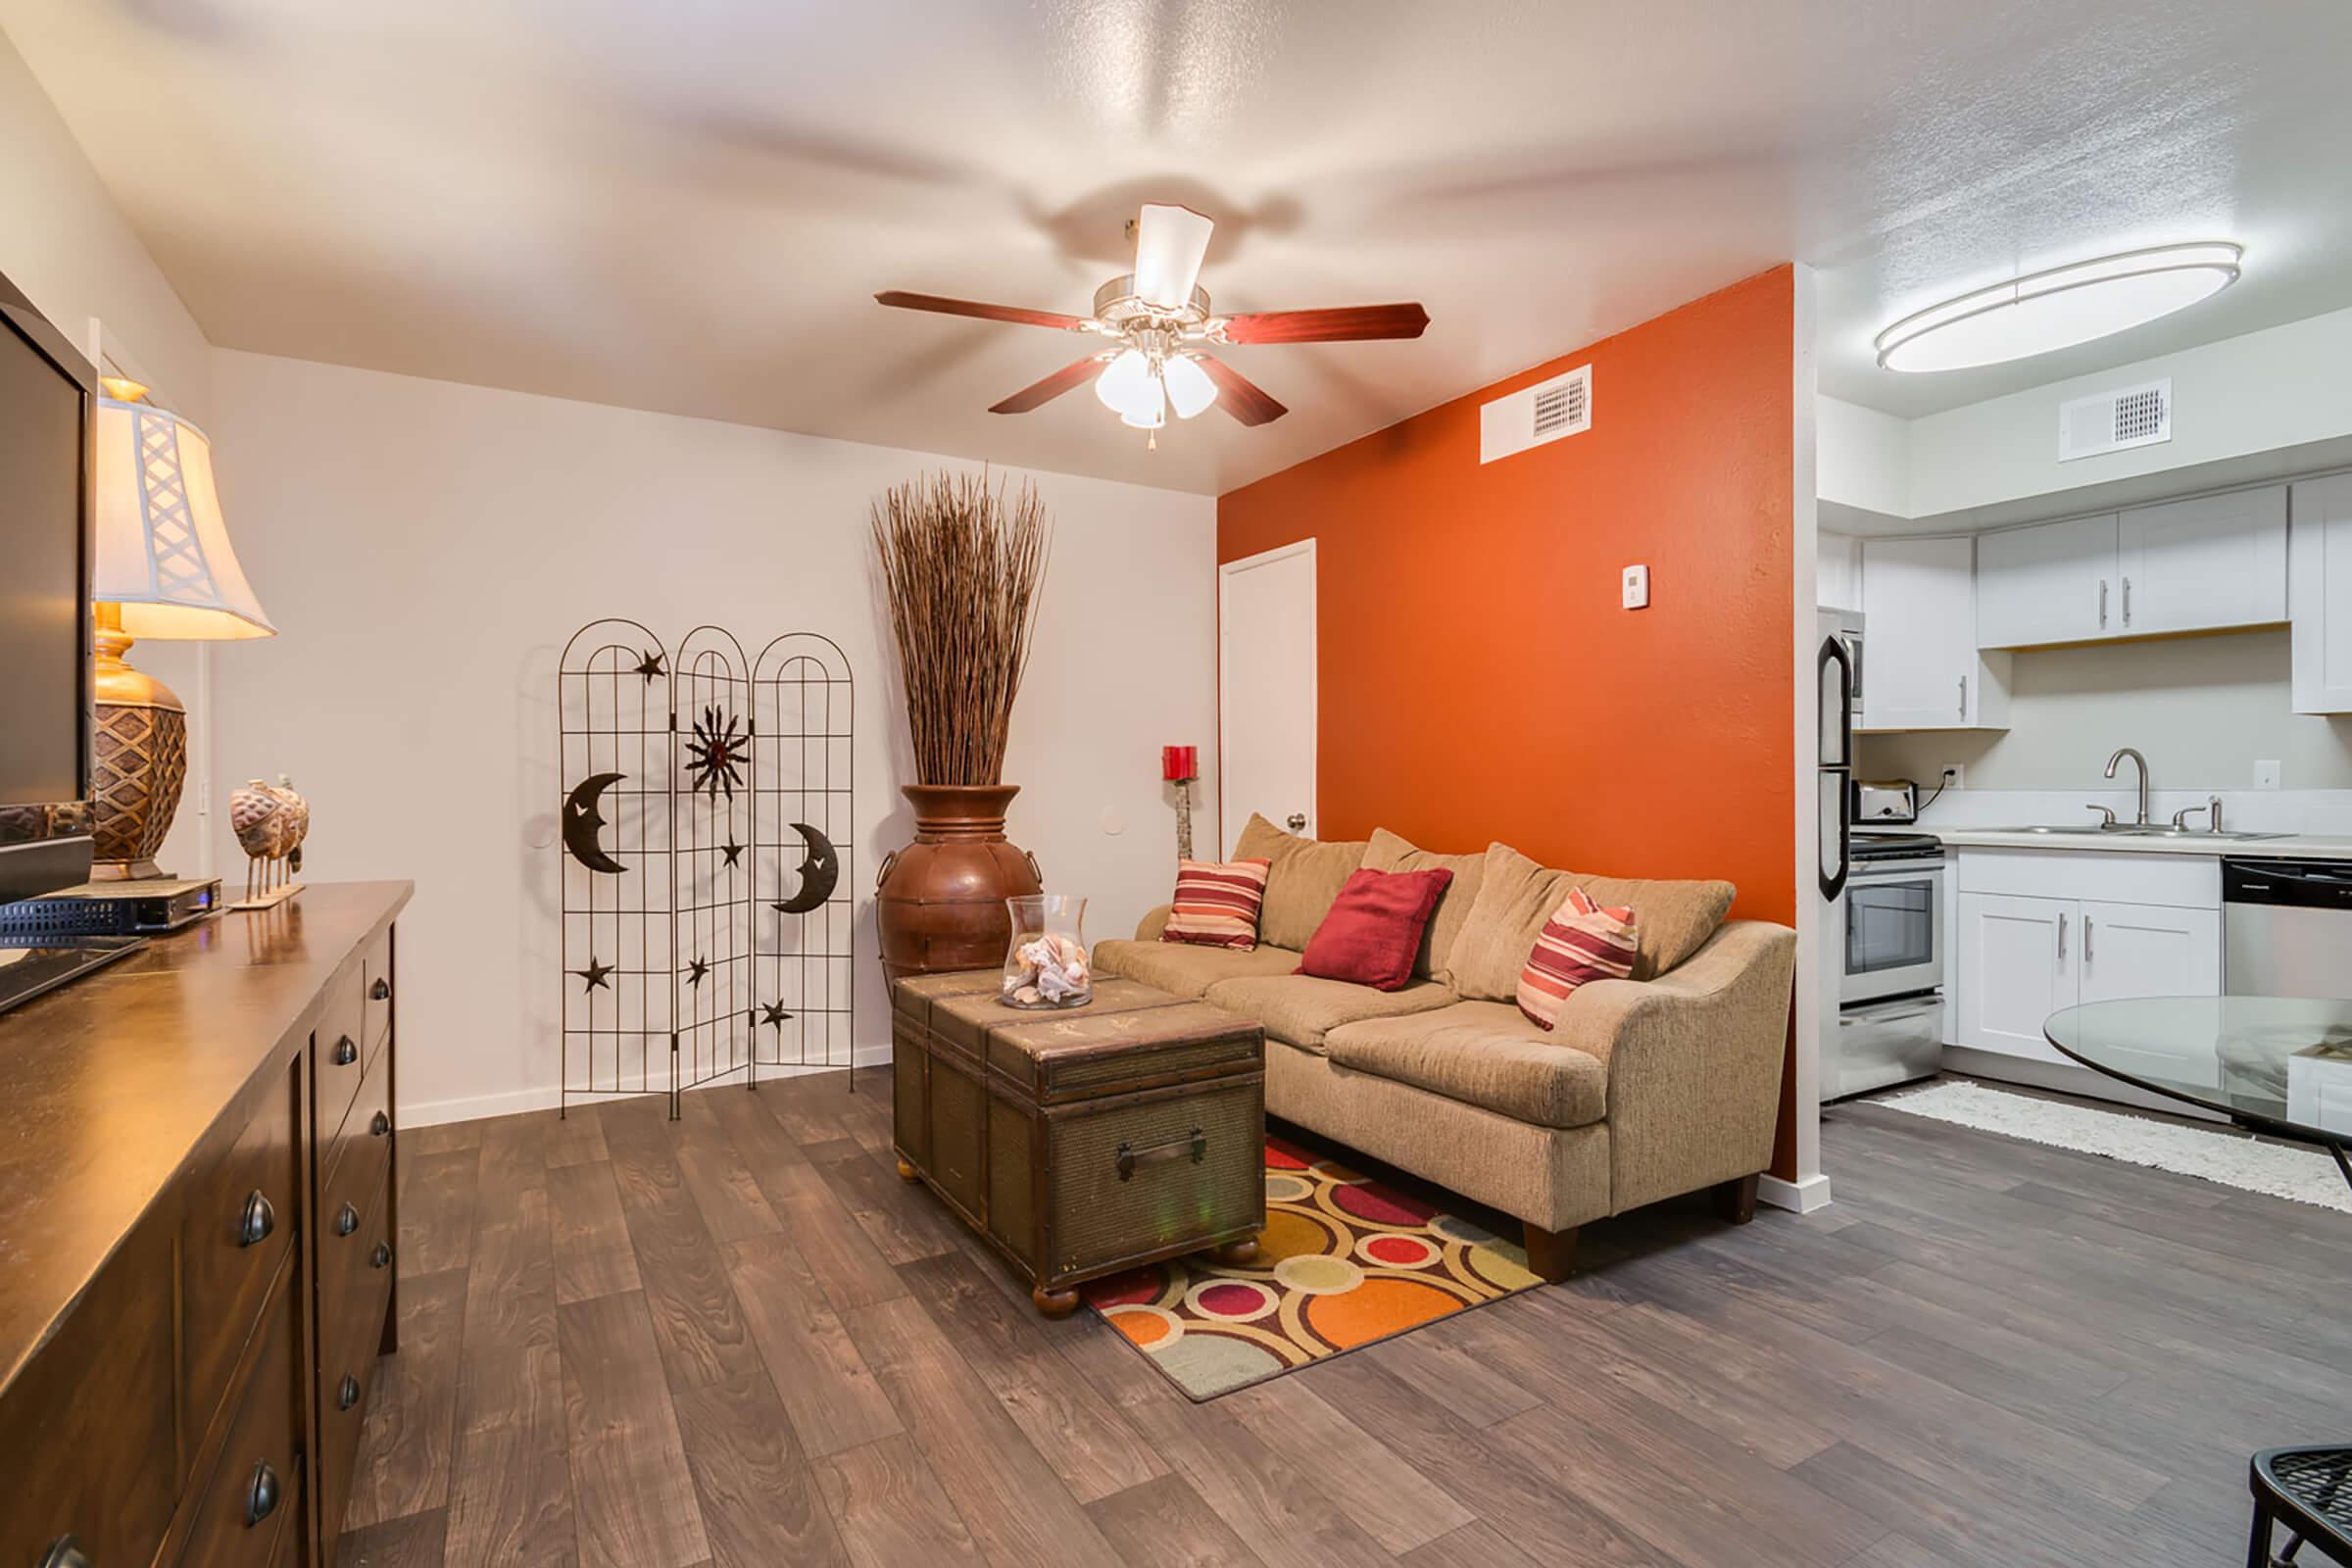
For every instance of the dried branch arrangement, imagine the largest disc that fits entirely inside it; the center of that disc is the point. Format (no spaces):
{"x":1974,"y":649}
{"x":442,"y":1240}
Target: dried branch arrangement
{"x":960,"y":568}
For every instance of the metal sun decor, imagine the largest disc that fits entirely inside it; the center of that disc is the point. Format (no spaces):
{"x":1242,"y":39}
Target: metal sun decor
{"x":706,"y":931}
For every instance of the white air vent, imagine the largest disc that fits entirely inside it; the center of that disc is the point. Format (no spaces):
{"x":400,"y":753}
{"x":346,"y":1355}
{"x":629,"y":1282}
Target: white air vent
{"x":2112,"y":421}
{"x":1533,"y":415}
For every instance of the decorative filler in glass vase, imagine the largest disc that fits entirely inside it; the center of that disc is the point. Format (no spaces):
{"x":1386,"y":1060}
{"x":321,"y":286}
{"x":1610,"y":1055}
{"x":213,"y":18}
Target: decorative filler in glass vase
{"x":1045,"y":964}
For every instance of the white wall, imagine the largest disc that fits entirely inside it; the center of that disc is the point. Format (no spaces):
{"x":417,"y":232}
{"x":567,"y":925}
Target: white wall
{"x":427,"y":548}
{"x":71,"y":250}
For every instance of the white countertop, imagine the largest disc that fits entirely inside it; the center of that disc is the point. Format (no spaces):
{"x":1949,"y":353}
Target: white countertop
{"x":2301,"y":846}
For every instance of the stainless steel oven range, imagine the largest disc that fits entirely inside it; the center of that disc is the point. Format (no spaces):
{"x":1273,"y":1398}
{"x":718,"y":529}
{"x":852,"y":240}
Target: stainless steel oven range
{"x":1890,"y":938}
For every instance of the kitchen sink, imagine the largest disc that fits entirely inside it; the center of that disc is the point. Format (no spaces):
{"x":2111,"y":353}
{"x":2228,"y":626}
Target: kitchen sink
{"x":2131,"y":831}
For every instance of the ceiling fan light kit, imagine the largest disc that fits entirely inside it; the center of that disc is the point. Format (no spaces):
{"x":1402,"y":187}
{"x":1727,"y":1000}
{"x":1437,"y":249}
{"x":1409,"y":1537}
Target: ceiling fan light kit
{"x":1160,"y":318}
{"x":2058,"y":308}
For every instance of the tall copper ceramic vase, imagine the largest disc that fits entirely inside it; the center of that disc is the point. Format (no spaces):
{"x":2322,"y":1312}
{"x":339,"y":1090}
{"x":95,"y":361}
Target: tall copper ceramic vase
{"x":941,"y":900}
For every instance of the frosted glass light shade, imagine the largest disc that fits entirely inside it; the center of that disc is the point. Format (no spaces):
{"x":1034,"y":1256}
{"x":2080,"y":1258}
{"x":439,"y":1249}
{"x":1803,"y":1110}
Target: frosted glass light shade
{"x":1189,"y":387}
{"x":162,"y":545}
{"x":2059,"y":308}
{"x":1127,"y":386}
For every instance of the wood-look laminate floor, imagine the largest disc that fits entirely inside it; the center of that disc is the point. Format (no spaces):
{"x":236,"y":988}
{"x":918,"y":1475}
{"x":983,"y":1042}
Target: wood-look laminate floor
{"x":739,"y":1338}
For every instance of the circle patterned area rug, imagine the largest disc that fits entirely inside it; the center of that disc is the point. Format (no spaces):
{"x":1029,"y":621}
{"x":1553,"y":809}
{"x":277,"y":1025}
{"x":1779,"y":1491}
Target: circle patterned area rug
{"x":1343,"y":1262}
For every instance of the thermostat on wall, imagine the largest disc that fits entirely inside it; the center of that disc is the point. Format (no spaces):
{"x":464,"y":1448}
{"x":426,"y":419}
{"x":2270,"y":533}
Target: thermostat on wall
{"x":1637,"y":587}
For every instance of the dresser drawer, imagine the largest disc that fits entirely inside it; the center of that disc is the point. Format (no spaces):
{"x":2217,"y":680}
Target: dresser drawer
{"x":351,"y":1329}
{"x":363,"y":1139}
{"x":236,"y":1228}
{"x":376,"y":972}
{"x":88,"y":1420}
{"x":355,"y":1265}
{"x":255,"y":1490}
{"x":341,"y":1059}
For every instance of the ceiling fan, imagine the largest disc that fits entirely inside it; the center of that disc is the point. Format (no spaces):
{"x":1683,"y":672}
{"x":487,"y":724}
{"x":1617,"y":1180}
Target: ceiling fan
{"x":1158,"y":321}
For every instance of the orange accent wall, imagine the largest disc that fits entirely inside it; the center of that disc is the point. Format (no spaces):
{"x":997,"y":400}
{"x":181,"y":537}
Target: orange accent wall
{"x":1478,"y":679}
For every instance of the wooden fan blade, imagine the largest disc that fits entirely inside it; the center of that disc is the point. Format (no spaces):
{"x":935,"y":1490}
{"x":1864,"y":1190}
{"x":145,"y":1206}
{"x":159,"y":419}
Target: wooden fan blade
{"x":1347,"y":324}
{"x":902,"y":300}
{"x":1240,"y":396}
{"x":1051,"y":387}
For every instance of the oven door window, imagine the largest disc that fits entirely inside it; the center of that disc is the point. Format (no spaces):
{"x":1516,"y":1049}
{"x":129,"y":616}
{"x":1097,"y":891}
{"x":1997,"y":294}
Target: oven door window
{"x":1890,"y":925}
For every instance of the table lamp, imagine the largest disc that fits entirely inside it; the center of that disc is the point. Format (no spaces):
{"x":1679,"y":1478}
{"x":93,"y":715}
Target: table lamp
{"x":164,"y":570}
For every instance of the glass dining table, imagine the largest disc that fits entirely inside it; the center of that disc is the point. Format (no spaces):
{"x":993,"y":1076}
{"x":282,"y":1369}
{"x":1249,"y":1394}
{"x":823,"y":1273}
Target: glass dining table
{"x":2279,"y":1066}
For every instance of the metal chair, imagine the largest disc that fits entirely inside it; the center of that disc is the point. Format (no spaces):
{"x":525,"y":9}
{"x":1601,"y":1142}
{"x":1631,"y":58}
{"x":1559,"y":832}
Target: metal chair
{"x":2310,"y":1492}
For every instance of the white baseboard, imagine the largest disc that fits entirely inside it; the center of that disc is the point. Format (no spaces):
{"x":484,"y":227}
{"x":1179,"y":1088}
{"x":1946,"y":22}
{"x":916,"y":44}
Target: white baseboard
{"x":437,"y":1113}
{"x":1800,"y":1196}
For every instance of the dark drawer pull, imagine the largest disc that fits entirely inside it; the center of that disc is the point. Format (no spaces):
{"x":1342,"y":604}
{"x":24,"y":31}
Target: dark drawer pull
{"x":382,"y":1258}
{"x":347,"y":1393}
{"x":261,"y":1499}
{"x":379,"y":1125}
{"x":381,"y":990}
{"x":346,"y":1053}
{"x":65,"y":1552}
{"x":259,"y":1221}
{"x":1195,"y":1144}
{"x":346,"y":1220}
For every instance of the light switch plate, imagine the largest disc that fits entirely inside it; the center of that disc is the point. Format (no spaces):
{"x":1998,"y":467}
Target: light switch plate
{"x":2265,"y":776}
{"x":1637,"y":587}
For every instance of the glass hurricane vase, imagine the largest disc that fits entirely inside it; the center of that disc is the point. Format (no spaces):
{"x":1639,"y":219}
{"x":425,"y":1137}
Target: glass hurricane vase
{"x":1046,"y":965}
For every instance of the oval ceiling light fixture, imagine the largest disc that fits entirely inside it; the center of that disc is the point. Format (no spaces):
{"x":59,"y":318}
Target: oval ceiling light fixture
{"x":2058,"y":309}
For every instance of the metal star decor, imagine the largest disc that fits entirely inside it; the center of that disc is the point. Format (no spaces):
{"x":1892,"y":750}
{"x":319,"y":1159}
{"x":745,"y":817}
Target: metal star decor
{"x":649,"y":665}
{"x":696,"y":970}
{"x":774,"y":1013}
{"x":593,"y":974}
{"x":732,"y":851}
{"x":716,"y":753}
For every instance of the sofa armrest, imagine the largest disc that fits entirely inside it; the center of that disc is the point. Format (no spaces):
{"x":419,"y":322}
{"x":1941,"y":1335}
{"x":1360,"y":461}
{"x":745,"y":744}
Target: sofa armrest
{"x":1694,"y":1061}
{"x":1148,"y":928}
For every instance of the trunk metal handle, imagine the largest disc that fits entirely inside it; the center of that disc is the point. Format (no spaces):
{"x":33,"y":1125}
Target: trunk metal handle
{"x":1195,"y":1143}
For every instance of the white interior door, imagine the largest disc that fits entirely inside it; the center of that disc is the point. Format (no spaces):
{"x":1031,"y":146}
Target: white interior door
{"x":1266,"y":689}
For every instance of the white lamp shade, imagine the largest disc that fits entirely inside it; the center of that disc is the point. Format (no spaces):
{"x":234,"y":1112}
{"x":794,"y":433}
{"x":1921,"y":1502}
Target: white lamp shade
{"x":1189,"y":387}
{"x":163,"y":546}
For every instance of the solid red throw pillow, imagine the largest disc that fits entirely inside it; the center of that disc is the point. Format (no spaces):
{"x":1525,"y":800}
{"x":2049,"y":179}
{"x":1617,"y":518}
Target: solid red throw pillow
{"x":1374,"y":928}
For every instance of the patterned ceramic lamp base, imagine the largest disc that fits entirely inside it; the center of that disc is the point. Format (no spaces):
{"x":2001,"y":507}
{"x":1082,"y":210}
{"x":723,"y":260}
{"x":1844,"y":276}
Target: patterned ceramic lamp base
{"x":142,"y":762}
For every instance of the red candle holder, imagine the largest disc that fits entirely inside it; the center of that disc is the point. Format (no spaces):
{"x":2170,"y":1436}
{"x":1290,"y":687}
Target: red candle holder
{"x":1179,"y":764}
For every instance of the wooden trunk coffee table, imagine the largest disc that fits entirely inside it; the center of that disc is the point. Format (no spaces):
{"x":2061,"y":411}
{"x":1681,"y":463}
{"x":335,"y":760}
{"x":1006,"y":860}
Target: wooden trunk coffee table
{"x":1084,"y":1142}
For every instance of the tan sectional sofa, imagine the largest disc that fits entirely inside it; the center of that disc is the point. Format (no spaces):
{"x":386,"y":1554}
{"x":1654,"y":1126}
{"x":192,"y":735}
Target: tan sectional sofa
{"x":1650,"y":1087}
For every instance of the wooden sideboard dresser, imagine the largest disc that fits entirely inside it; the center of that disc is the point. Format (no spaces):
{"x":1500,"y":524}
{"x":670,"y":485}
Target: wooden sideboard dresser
{"x":197,"y":1192}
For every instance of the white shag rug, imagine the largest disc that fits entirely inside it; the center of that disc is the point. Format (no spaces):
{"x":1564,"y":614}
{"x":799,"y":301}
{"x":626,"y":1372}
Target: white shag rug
{"x":2303,"y":1175}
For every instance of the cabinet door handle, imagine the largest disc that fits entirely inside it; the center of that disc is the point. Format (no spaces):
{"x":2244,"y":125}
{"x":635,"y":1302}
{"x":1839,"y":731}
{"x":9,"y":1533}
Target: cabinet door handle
{"x":261,"y":1499}
{"x":346,"y":1051}
{"x":2127,"y":601}
{"x":382,"y":1256}
{"x":2062,"y":938}
{"x":346,"y":1220}
{"x":259,"y":1220}
{"x":1964,"y":699}
{"x":65,"y":1552}
{"x":379,"y":1125}
{"x":2102,"y":603}
{"x":381,"y":990}
{"x":347,"y":1393}
{"x":2086,"y":940}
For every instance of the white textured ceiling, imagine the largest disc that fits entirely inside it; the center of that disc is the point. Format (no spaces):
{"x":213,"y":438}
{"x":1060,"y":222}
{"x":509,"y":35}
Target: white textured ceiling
{"x":686,"y":204}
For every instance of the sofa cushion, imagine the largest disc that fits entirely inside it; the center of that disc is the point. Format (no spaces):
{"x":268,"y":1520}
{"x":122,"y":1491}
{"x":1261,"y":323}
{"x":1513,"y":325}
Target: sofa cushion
{"x":1216,"y":905}
{"x":1389,"y":853}
{"x":1375,"y":927}
{"x":1484,"y":1054}
{"x":1187,"y":970}
{"x":1305,"y":876}
{"x":1517,"y":896}
{"x":1298,"y":1008}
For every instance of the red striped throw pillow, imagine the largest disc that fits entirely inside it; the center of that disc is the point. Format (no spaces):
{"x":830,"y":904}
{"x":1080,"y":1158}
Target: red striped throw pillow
{"x":1216,"y":905}
{"x":1581,"y":942}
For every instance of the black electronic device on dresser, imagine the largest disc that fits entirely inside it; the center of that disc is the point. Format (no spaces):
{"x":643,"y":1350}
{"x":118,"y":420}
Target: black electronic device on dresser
{"x":47,"y":418}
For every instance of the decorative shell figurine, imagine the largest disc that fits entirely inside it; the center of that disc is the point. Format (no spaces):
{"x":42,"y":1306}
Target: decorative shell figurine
{"x":270,"y":821}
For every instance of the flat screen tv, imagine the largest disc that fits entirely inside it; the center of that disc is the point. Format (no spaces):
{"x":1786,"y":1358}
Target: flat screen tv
{"x":47,"y":403}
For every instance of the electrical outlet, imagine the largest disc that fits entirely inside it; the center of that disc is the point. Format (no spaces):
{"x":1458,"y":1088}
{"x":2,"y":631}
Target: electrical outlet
{"x":2265,"y":776}
{"x":1637,"y":587}
{"x":1955,"y":776}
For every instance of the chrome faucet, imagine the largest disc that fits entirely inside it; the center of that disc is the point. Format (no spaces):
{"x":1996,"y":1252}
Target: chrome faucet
{"x":2122,"y":752}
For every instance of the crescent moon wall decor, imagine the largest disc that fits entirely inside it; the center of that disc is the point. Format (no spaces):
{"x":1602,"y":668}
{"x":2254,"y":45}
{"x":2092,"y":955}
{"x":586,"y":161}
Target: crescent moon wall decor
{"x":820,"y":872}
{"x":583,"y":819}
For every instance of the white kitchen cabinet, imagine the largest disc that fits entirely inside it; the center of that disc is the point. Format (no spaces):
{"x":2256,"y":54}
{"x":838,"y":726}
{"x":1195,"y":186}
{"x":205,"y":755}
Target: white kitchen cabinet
{"x":1922,"y":669}
{"x":2053,"y":584}
{"x":2148,"y":949}
{"x":2016,"y":967}
{"x":2320,"y":595}
{"x":2202,"y":564}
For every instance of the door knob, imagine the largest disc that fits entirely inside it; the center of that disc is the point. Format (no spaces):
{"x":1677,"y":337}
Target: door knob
{"x":1296,"y":821}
